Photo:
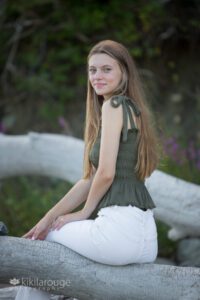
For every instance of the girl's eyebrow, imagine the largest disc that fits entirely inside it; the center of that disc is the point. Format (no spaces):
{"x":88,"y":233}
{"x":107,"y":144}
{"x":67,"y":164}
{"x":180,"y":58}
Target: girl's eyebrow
{"x":100,"y":67}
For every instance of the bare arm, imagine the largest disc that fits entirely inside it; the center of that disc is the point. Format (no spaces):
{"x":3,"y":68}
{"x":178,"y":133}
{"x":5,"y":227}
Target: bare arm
{"x":76,"y":195}
{"x":112,"y":122}
{"x":93,"y":191}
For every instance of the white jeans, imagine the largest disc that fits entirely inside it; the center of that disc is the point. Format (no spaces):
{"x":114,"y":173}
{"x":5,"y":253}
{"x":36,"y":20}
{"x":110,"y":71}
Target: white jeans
{"x":128,"y":229}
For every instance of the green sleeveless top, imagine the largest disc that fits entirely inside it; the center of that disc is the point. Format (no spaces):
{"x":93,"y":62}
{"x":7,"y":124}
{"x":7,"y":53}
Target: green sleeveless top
{"x":126,"y":188}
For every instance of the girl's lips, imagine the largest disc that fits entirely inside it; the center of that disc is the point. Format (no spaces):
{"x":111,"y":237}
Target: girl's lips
{"x":99,"y":85}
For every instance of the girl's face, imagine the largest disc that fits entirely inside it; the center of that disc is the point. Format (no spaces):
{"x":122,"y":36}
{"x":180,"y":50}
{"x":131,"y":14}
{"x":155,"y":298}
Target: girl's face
{"x":104,"y":74}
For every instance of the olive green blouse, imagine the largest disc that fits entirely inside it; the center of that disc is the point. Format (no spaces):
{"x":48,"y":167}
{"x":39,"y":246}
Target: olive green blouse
{"x":126,"y":188}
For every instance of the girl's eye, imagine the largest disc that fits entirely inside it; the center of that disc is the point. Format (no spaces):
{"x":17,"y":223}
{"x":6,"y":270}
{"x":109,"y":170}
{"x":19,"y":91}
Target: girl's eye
{"x":107,"y":69}
{"x":92,"y":71}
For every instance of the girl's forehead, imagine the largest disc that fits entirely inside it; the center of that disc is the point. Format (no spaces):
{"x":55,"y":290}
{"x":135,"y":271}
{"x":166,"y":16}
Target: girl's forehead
{"x":101,"y":59}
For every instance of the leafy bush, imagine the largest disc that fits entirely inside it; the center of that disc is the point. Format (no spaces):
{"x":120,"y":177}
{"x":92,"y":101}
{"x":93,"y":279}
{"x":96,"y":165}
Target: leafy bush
{"x":24,"y":200}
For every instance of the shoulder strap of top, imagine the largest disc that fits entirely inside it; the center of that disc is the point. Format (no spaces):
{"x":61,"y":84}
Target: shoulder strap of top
{"x":127,"y":105}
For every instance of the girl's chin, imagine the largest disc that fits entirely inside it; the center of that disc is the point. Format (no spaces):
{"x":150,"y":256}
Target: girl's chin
{"x":101,"y":93}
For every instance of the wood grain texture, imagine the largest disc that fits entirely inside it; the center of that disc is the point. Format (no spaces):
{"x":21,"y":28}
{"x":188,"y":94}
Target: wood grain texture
{"x":35,"y":261}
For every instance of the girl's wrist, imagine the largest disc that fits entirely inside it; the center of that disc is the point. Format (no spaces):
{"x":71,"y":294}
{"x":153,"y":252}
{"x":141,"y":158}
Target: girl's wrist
{"x":84,"y":214}
{"x":50,"y":216}
{"x":77,"y":216}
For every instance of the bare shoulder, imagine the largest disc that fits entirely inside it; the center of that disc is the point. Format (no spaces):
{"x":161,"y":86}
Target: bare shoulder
{"x":107,"y":106}
{"x":112,"y":114}
{"x":110,"y":138}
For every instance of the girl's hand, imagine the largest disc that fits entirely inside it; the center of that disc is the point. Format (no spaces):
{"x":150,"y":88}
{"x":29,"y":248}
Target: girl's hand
{"x":40,"y":230}
{"x":62,"y":220}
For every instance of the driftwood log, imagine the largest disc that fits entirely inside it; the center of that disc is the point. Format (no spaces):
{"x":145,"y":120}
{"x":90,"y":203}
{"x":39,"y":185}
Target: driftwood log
{"x":52,"y":155}
{"x":31,"y":263}
{"x":177,"y":201}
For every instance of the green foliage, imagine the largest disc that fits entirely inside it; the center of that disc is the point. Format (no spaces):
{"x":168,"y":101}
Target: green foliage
{"x":25,"y":200}
{"x":186,"y":171}
{"x":45,"y":43}
{"x":166,"y":247}
{"x":56,"y":36}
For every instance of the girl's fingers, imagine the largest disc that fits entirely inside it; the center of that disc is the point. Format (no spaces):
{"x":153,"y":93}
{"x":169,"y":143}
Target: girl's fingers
{"x":61,"y":224}
{"x":29,"y":233}
{"x":39,"y":231}
{"x":36,"y":234}
{"x":32,"y":234}
{"x":57,"y":225}
{"x":43,"y":236}
{"x":54,"y":226}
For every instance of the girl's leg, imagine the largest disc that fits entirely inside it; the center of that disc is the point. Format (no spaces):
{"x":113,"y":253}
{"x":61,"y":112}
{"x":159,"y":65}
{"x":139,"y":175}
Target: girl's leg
{"x":78,"y":237}
{"x":129,"y":230}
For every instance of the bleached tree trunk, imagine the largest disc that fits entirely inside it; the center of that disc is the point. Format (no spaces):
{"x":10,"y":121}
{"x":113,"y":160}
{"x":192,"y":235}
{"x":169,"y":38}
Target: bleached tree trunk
{"x":45,"y":154}
{"x":177,"y":201}
{"x":27,"y":262}
{"x":30,"y":263}
{"x":178,"y":204}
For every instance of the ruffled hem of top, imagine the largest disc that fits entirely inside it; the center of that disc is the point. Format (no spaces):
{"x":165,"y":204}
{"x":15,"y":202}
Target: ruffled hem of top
{"x":125,"y":192}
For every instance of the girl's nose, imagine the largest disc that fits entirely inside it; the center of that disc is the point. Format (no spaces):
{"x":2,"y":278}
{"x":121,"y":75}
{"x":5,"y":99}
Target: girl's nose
{"x":98,"y":74}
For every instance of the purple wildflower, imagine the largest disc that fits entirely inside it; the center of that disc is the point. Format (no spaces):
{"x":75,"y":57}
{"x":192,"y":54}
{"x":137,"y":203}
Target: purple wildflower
{"x":62,"y":122}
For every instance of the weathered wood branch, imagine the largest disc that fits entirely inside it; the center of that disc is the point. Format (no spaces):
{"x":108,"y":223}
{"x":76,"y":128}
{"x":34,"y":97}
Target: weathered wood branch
{"x":33,"y":262}
{"x":178,"y":204}
{"x":53,"y":155}
{"x":177,"y":201}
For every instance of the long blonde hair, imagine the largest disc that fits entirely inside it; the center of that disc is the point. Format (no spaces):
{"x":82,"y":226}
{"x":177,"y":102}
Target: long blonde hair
{"x":148,"y":146}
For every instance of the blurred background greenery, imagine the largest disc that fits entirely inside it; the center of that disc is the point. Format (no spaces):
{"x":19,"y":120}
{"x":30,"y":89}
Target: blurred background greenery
{"x":44,"y":47}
